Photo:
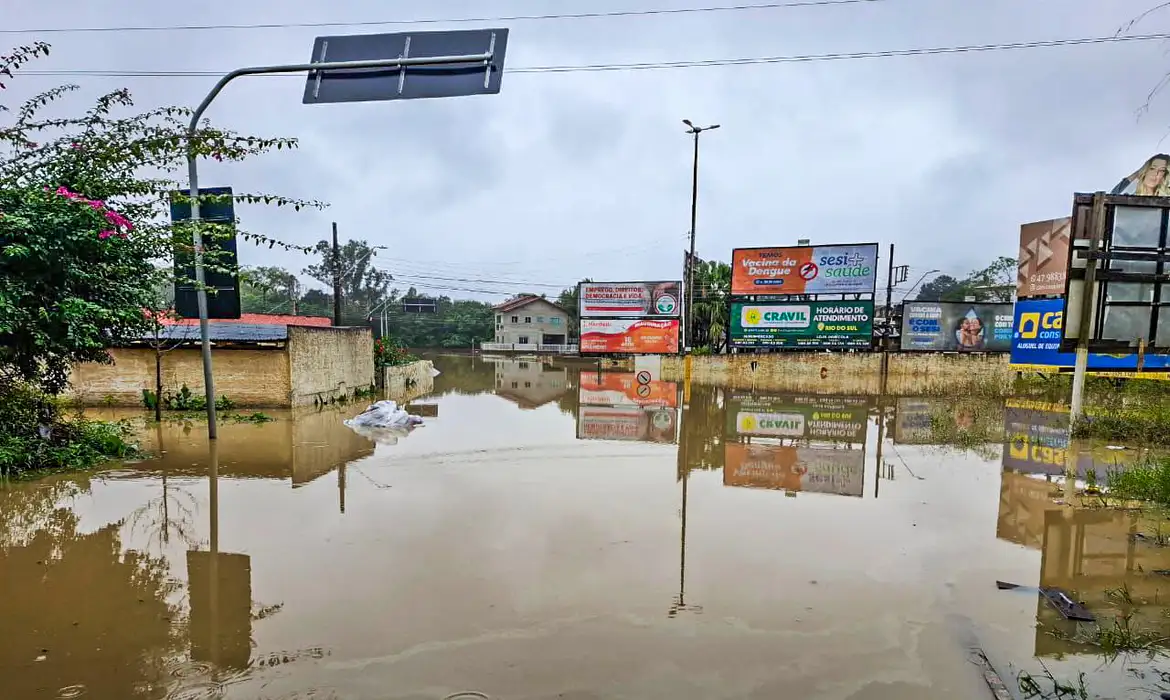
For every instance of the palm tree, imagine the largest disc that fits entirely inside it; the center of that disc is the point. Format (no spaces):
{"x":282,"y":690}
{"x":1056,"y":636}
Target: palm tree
{"x":712,"y":293}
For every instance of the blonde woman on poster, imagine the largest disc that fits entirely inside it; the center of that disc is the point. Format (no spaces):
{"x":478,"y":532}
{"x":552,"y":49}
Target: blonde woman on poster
{"x":1149,"y":180}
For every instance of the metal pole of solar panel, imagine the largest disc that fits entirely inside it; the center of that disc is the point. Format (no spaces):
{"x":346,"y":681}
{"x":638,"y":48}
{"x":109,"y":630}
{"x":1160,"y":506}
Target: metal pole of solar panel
{"x":1088,"y":304}
{"x":321,"y":67}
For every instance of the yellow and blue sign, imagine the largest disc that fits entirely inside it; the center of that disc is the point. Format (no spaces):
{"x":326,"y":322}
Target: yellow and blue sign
{"x":1036,"y":342}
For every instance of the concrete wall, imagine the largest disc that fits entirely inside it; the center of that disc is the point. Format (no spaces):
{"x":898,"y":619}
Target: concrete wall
{"x":856,"y":374}
{"x":327,"y":363}
{"x":251,"y":378}
{"x":408,"y":381}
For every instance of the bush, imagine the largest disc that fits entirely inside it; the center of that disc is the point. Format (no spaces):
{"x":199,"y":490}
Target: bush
{"x":35,"y":434}
{"x":388,"y":352}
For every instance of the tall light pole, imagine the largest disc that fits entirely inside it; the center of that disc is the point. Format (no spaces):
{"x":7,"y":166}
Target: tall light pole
{"x":690,"y":271}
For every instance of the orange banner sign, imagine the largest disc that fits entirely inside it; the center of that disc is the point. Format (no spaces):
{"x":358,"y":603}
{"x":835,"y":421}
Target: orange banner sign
{"x":613,"y":335}
{"x":622,"y":388}
{"x":826,"y":269}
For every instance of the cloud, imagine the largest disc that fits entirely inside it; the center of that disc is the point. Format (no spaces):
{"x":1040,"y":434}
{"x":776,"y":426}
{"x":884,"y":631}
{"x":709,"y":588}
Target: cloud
{"x":563,"y":176}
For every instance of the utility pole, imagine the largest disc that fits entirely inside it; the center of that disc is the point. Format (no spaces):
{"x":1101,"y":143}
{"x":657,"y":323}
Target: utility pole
{"x":689,"y":276}
{"x":1088,"y":305}
{"x":336,"y":278}
{"x":889,"y":302}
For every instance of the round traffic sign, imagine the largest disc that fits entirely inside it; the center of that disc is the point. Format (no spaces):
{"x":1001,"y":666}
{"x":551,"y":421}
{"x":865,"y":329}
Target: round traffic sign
{"x":643,"y":391}
{"x":643,"y":377}
{"x":808,"y":271}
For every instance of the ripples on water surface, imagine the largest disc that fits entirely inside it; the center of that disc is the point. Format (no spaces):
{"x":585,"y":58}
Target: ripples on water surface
{"x":554,"y":533}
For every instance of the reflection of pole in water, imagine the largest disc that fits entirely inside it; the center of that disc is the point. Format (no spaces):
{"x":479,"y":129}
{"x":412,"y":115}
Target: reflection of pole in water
{"x":684,"y":469}
{"x":881,"y":437}
{"x":213,"y":565}
{"x":341,"y":487}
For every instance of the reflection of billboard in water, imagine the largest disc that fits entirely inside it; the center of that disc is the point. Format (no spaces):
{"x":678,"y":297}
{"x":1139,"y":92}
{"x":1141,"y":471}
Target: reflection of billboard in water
{"x":1036,"y":441}
{"x":914,"y":420}
{"x":957,"y":327}
{"x":794,"y":468}
{"x":627,"y":423}
{"x":825,"y":418}
{"x":622,"y":388}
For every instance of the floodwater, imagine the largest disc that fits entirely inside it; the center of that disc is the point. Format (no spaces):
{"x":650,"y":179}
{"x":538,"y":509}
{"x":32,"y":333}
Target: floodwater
{"x":558,"y":533}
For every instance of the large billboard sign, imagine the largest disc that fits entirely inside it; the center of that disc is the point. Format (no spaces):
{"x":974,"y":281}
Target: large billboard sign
{"x":793,"y":469}
{"x":822,"y":418}
{"x":806,"y":324}
{"x":629,"y":299}
{"x":957,"y":327}
{"x":627,"y":423}
{"x":624,"y":389}
{"x":614,"y":335}
{"x":1036,"y":345}
{"x":826,"y":269}
{"x":1043,"y":259}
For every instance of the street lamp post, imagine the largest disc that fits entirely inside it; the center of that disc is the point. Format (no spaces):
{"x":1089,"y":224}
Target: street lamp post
{"x":690,"y":271}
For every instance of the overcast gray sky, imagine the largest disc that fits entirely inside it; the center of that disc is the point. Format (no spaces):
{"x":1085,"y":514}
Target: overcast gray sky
{"x":570,"y":175}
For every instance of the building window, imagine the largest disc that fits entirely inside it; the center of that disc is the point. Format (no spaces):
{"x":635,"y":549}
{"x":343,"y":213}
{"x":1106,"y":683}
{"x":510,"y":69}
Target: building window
{"x":522,"y":365}
{"x":540,"y":319}
{"x":499,"y":318}
{"x":523,"y":340}
{"x":528,"y":319}
{"x":515,"y":385}
{"x":555,"y":320}
{"x":527,"y":385}
{"x":515,"y":319}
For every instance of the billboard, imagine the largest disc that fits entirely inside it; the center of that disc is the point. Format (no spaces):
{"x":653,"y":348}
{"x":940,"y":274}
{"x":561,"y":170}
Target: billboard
{"x":1036,"y":344}
{"x":794,"y":469}
{"x":1043,"y":259}
{"x":623,"y":389}
{"x":627,"y":423}
{"x":957,"y":326}
{"x":806,"y":324}
{"x":629,"y":299}
{"x":600,"y":336}
{"x":824,"y":418}
{"x":823,"y":269}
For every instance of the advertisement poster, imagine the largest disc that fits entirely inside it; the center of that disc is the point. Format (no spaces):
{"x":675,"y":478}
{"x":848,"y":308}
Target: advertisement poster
{"x":957,"y":326}
{"x":825,"y":269}
{"x":1036,"y":437}
{"x":794,"y":469}
{"x":1036,"y":345}
{"x":810,"y":324}
{"x":1043,"y":260}
{"x":629,"y":299}
{"x":627,"y":423}
{"x":600,"y":336}
{"x":623,"y":389}
{"x":822,"y":418}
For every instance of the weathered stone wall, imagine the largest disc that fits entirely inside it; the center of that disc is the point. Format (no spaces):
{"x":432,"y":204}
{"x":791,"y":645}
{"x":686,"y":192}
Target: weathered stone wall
{"x":328,"y":363}
{"x":250,"y":378}
{"x":405,"y":382}
{"x":856,"y":374}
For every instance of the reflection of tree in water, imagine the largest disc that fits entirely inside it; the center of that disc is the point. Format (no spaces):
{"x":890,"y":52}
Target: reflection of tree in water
{"x":170,"y":514}
{"x":570,"y":401}
{"x":464,"y":375}
{"x":969,"y":425}
{"x":99,"y":616}
{"x":703,"y":423}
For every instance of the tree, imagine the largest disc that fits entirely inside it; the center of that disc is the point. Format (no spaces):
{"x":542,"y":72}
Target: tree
{"x":362,"y":284}
{"x":569,"y":302}
{"x":268,"y":290}
{"x":84,"y":213}
{"x":996,"y":282}
{"x":712,"y":293}
{"x":942,"y":288}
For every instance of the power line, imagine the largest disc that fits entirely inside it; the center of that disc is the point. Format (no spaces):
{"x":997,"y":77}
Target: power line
{"x":668,"y":65}
{"x":447,"y":20}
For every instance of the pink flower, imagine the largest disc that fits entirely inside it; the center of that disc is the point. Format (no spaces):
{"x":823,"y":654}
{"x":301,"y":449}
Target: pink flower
{"x":218,"y":156}
{"x":95,"y":204}
{"x":118,"y":220}
{"x":105,"y":234}
{"x":75,"y":146}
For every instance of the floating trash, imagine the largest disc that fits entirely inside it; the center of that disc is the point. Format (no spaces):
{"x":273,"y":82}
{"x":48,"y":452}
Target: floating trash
{"x":467,"y":695}
{"x":72,"y":691}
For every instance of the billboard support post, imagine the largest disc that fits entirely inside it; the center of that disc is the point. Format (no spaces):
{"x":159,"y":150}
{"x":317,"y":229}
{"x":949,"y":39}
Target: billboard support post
{"x":491,"y":60}
{"x":1088,"y":298}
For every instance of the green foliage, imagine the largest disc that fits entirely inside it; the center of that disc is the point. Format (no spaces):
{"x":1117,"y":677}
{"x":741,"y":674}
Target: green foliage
{"x":185,"y":400}
{"x":363,"y":285}
{"x":568,"y":301}
{"x":36,"y":435}
{"x":388,"y":352}
{"x":712,"y":292}
{"x":1148,"y":480}
{"x":994,"y":283}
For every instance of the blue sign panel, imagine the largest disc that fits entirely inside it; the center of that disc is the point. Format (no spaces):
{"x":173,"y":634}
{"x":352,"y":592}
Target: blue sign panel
{"x":1036,"y":341}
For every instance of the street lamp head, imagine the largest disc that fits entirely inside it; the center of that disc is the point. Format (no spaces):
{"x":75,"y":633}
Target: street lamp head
{"x":688,"y":123}
{"x":713,"y":126}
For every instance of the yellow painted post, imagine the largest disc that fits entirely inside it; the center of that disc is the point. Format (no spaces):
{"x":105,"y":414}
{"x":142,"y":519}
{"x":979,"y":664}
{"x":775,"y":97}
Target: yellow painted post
{"x":687,"y":379}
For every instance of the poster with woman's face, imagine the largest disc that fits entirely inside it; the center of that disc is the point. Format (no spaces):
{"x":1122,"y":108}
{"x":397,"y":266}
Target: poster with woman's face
{"x":957,"y":327}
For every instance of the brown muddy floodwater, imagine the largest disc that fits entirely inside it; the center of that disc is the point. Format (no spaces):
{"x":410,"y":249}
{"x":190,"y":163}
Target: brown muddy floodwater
{"x":552,"y":533}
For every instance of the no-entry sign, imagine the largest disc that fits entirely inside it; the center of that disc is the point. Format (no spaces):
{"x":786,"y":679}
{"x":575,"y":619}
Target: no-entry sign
{"x":644,"y":377}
